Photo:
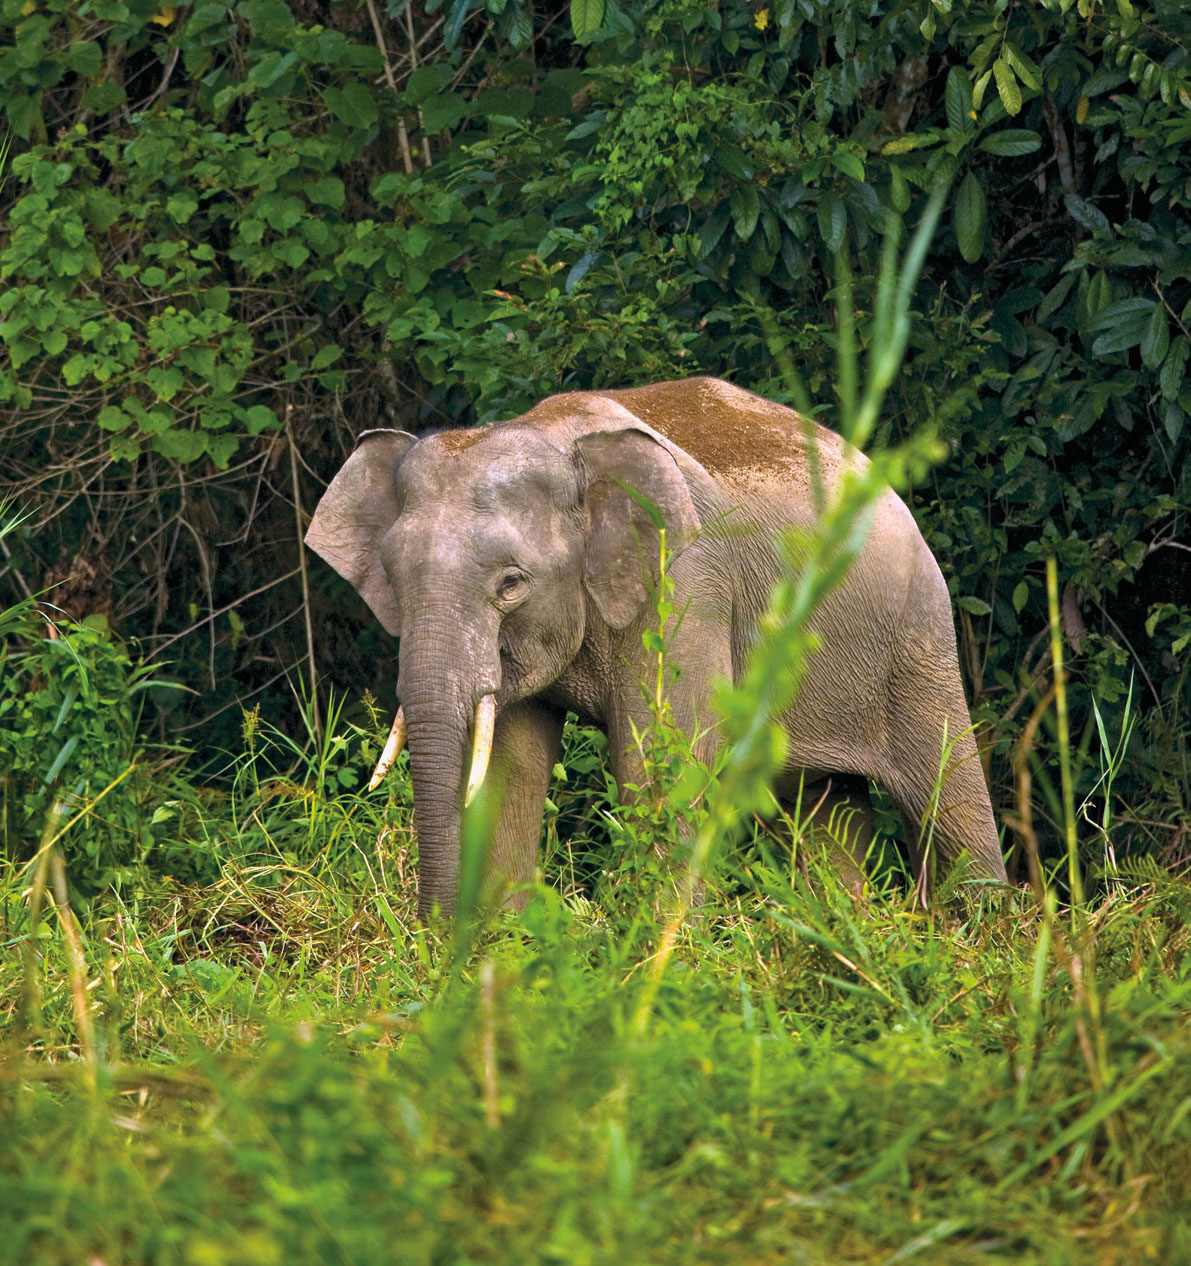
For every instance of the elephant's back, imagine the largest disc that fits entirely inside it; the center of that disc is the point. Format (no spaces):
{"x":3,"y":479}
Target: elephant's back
{"x":740,"y":439}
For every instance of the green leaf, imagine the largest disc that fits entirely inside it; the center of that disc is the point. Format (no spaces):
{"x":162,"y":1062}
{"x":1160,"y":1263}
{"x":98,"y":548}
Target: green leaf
{"x":77,"y":368}
{"x":103,"y":209}
{"x":443,"y":111}
{"x":327,"y":191}
{"x":221,"y":449}
{"x":1011,"y":142}
{"x":1171,"y":378}
{"x":24,"y":114}
{"x":21,"y":350}
{"x":260,"y":418}
{"x":1173,"y":420}
{"x":101,"y":98}
{"x":845,"y":161}
{"x":513,"y":103}
{"x":519,"y":26}
{"x":899,"y":191}
{"x":282,"y":213}
{"x":166,"y":382}
{"x":1055,"y":298}
{"x":352,"y":104}
{"x":833,"y":221}
{"x":587,"y":17}
{"x":290,"y":251}
{"x":326,"y":356}
{"x":746,"y":207}
{"x":54,"y":341}
{"x":180,"y":446}
{"x":113,"y":419}
{"x":1155,"y":343}
{"x":1085,"y":214}
{"x":1021,"y":594}
{"x":959,"y":101}
{"x":971,"y":217}
{"x":976,"y":606}
{"x":425,"y":82}
{"x":124,"y":448}
{"x":206,"y":16}
{"x":1007,"y":86}
{"x":181,"y":206}
{"x":1124,"y":324}
{"x":1026,"y":70}
{"x":712,"y":229}
{"x":199,"y":360}
{"x":1099,"y":293}
{"x":85,"y":58}
{"x":455,"y":20}
{"x":911,"y":141}
{"x":734,"y":161}
{"x":1104,"y":79}
{"x":580,"y":269}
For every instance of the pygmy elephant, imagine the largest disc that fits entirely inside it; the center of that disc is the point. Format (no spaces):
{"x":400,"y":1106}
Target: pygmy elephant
{"x":513,"y":563}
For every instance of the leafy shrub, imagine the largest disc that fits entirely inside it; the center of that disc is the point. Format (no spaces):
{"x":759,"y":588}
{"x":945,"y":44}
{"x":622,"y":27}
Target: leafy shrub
{"x":73,"y":770}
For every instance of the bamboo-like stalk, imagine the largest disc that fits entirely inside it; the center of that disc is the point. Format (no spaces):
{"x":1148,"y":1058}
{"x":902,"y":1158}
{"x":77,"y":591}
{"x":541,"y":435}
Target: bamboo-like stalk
{"x":76,"y":969}
{"x":407,"y":160}
{"x":413,"y":60}
{"x":313,"y":670}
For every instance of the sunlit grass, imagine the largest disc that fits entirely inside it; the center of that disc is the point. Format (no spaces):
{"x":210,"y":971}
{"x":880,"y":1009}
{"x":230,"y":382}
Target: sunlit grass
{"x":289,"y":1072}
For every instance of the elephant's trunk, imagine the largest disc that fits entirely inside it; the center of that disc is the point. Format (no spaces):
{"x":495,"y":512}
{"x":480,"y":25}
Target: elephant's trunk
{"x":444,"y":709}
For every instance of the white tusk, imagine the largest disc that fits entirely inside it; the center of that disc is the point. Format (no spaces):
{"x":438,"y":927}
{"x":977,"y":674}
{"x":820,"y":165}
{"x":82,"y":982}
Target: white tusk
{"x":481,"y":745}
{"x":392,"y":750}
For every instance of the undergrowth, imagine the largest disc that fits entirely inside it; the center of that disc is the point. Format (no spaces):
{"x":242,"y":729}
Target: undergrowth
{"x":283,"y":1066}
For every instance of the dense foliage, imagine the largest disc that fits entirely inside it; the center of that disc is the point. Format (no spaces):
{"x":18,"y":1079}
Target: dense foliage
{"x":231,"y":236}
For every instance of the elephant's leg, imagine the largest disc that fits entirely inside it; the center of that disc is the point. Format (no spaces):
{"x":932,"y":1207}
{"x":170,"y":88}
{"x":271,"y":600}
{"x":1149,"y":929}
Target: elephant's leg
{"x":525,"y":748}
{"x":945,"y":804}
{"x":698,"y":646}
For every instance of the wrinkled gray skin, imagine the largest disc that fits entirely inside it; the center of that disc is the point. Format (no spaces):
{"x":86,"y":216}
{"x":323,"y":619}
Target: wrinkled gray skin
{"x":510,"y":560}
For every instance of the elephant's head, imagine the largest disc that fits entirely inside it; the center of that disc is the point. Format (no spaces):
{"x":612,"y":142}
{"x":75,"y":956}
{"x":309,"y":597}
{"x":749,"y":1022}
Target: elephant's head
{"x":491,"y":554}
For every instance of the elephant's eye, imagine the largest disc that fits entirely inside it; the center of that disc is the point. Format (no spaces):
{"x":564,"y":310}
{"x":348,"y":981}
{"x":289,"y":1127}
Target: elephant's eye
{"x":512,"y":585}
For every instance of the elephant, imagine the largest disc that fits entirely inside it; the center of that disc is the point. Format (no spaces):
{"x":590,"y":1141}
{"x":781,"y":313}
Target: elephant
{"x":513,"y":561}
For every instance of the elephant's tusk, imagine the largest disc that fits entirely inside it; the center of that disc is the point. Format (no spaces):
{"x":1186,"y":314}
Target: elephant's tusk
{"x":481,"y":745}
{"x":396,"y":742}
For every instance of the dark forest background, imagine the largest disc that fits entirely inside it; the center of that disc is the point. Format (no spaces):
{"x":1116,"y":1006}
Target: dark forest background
{"x":232,"y":236}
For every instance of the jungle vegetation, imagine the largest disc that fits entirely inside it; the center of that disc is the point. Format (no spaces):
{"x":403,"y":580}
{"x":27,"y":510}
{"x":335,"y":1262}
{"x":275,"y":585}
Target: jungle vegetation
{"x":232,"y":236}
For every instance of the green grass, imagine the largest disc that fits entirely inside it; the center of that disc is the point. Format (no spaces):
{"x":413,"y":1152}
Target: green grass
{"x":284,"y":1067}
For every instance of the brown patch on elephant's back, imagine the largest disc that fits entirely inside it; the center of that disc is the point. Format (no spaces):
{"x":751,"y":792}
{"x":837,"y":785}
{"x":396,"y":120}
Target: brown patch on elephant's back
{"x":729,"y":430}
{"x":459,"y":441}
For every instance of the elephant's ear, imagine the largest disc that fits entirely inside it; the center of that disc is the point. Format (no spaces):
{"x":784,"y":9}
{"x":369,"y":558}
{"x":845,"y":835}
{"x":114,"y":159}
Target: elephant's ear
{"x":358,"y":508}
{"x":622,"y":541}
